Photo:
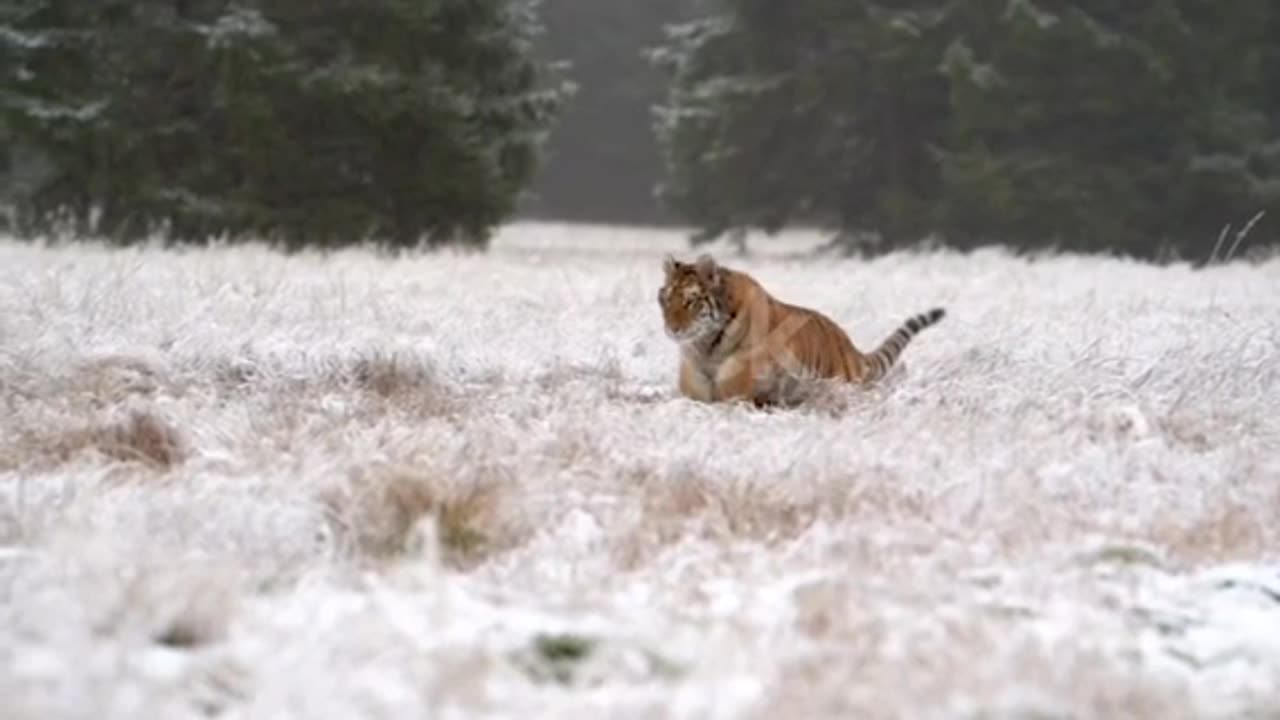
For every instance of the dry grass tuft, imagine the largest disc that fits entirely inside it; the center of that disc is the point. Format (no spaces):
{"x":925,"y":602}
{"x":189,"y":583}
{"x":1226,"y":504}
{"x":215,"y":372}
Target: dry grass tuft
{"x":1229,"y":531}
{"x":848,"y":680}
{"x":112,"y":378}
{"x":686,"y":504}
{"x":606,"y":374}
{"x":231,"y":375}
{"x":83,"y":386}
{"x":747,"y":510}
{"x":1027,"y":523}
{"x":729,"y":508}
{"x":391,"y":380}
{"x":379,"y":508}
{"x":140,"y":437}
{"x":389,"y":375}
{"x":404,"y":382}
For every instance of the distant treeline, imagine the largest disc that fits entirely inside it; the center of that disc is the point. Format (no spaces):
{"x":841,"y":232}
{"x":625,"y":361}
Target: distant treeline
{"x":307,"y":122}
{"x":1094,"y":125}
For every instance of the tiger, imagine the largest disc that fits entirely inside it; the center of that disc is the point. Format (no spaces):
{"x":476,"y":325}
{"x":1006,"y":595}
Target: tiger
{"x":738,"y":343}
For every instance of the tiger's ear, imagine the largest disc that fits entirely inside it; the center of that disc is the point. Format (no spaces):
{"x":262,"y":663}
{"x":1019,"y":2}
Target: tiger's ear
{"x":669,"y":264}
{"x":707,"y":269}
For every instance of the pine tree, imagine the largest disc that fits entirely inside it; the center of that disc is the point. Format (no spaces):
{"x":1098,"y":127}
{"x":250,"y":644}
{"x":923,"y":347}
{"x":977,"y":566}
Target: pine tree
{"x":716,"y":128}
{"x":1097,"y":126}
{"x":303,"y":122}
{"x":809,"y":111}
{"x":1084,"y":124}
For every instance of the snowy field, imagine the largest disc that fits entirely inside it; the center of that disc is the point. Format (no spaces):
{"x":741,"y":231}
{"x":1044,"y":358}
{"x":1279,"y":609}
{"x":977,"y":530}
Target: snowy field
{"x":239,"y":485}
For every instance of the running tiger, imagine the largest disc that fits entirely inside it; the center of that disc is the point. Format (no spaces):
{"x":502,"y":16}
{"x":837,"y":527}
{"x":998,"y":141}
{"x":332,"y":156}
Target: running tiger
{"x":738,"y":342}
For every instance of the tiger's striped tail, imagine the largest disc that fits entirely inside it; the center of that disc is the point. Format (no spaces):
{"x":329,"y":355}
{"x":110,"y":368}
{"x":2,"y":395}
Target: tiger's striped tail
{"x":880,"y":361}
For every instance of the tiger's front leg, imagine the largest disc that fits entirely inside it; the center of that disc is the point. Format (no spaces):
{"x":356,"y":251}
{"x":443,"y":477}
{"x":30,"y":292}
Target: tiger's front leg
{"x":694,"y":383}
{"x":736,"y":380}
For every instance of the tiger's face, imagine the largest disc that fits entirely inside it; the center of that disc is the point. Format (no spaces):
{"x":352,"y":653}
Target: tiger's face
{"x":692,"y":299}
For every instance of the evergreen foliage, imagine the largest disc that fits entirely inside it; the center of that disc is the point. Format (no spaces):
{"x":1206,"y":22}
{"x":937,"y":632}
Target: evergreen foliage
{"x":774,"y":118}
{"x":301,"y":121}
{"x":1082,"y":124}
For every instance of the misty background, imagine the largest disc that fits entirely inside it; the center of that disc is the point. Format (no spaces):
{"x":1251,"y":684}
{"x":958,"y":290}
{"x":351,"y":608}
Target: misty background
{"x":1149,"y":129}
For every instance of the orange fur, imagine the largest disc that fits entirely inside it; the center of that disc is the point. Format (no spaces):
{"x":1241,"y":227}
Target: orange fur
{"x":738,"y":342}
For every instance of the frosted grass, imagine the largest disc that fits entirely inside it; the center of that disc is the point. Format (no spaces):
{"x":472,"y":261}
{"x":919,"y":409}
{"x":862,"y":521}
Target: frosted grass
{"x":244,"y":485}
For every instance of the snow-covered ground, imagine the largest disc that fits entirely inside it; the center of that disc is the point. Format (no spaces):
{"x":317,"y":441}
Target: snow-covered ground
{"x":239,"y":485}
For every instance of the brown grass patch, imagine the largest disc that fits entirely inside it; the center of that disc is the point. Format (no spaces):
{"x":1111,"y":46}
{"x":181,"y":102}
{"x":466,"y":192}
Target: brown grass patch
{"x":853,"y":678}
{"x":140,"y":437}
{"x":392,"y":375}
{"x":113,"y":378}
{"x":405,"y":383}
{"x":685,"y":503}
{"x":86,"y":386}
{"x":399,"y":380}
{"x":1185,"y":433}
{"x":848,"y":671}
{"x":379,"y":508}
{"x":1229,"y":532}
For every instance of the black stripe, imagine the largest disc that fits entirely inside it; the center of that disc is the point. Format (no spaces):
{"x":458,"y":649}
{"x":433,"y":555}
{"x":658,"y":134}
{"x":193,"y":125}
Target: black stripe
{"x":884,"y":358}
{"x":711,"y":348}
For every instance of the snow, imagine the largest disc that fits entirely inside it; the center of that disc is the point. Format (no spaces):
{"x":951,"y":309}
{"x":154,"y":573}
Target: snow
{"x":237,"y":25}
{"x":239,"y":484}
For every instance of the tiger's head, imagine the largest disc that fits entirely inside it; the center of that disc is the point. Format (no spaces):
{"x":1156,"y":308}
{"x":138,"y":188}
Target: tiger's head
{"x":693,"y":299}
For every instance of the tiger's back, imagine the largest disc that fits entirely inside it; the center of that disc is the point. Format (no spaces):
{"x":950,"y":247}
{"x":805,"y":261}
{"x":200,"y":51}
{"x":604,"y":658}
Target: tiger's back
{"x":821,"y":348}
